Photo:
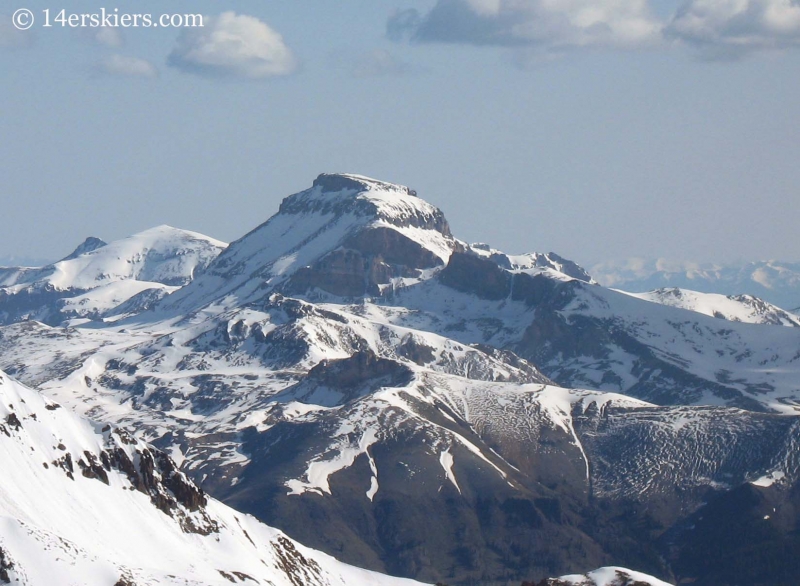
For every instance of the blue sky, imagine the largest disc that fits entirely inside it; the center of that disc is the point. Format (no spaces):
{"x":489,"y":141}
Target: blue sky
{"x":598,"y":130}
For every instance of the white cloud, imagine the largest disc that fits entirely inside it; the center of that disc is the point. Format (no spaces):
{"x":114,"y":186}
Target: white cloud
{"x":719,"y":28}
{"x":731,"y":28}
{"x":549,"y":24}
{"x":233,"y":45}
{"x":119,"y":65}
{"x":108,"y":36}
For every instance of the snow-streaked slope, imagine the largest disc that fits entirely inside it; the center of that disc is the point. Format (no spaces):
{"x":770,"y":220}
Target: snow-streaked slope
{"x":81,"y":504}
{"x":98,"y":277}
{"x":607,"y":576}
{"x":743,"y":308}
{"x":444,"y":408}
{"x":201,"y":377}
{"x":670,"y":355}
{"x":200,"y":387}
{"x":507,"y":427}
{"x":587,"y":336}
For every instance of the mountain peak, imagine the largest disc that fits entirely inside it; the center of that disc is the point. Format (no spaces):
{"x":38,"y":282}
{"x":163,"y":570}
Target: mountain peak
{"x":364,"y":197}
{"x":88,"y":245}
{"x":337,"y":182}
{"x":98,"y":277}
{"x":347,"y":235}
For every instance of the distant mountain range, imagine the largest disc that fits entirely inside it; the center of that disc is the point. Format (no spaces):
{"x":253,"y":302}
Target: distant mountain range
{"x":353,"y":374}
{"x":22,"y":261}
{"x":773,"y":281}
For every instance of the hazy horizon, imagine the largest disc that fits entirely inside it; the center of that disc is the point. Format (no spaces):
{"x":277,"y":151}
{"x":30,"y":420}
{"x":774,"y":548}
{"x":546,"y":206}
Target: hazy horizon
{"x":597,"y":130}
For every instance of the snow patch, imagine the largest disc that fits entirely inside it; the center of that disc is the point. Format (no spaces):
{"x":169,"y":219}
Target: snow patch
{"x":446,"y":460}
{"x":769,"y":479}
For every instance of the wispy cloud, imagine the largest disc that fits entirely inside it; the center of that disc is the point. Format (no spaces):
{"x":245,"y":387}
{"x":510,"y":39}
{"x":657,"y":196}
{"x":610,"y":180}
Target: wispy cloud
{"x":726,"y":29}
{"x":716,"y":28}
{"x":548,"y":24}
{"x":120,"y":65}
{"x":232,"y":45}
{"x":108,"y":36}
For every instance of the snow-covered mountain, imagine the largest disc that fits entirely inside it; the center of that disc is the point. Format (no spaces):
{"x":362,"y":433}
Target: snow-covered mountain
{"x":600,"y":338}
{"x":348,"y":235}
{"x":742,"y":308}
{"x":353,"y":374}
{"x":99,"y":279}
{"x":89,"y":504}
{"x":774,"y":281}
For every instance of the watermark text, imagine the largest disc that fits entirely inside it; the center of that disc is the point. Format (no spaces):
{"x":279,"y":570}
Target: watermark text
{"x":24,"y":19}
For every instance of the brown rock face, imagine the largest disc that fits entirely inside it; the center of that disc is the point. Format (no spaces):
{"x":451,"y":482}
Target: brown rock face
{"x":394,"y":248}
{"x":344,"y":272}
{"x":357,"y":370}
{"x":471,"y":274}
{"x":416,"y":351}
{"x":92,"y":468}
{"x":367,"y":260}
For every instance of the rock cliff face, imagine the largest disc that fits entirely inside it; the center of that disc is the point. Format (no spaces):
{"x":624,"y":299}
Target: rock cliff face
{"x":360,"y":368}
{"x":472,"y":274}
{"x":367,"y":260}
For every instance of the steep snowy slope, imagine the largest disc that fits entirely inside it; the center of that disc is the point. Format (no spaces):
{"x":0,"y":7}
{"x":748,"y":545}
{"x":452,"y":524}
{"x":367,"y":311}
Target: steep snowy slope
{"x":80,"y":504}
{"x":98,"y":277}
{"x":744,"y":308}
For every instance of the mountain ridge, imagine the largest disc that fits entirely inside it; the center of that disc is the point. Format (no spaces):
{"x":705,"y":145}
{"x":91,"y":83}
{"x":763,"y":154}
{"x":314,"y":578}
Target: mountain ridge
{"x":91,"y":504}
